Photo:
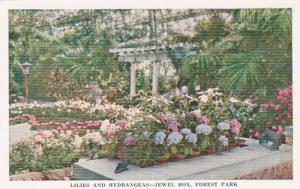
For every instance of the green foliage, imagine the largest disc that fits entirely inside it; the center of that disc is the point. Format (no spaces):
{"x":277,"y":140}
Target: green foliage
{"x":62,"y":87}
{"x":153,"y":105}
{"x":54,"y":157}
{"x":199,"y":69}
{"x":144,"y":152}
{"x":241,"y":73}
{"x":20,"y":157}
{"x":251,"y":54}
{"x":23,"y":157}
{"x":210,"y":30}
{"x":246,"y":113}
{"x":248,"y":52}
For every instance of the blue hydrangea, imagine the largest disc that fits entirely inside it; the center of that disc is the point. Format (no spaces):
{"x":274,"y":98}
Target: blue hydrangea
{"x":174,"y":138}
{"x":223,"y":126}
{"x":191,"y":138}
{"x":185,"y":131}
{"x":159,"y":137}
{"x":203,"y":129}
{"x":223,"y":140}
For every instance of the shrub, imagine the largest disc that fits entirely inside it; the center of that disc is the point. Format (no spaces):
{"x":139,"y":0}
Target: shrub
{"x":277,"y":113}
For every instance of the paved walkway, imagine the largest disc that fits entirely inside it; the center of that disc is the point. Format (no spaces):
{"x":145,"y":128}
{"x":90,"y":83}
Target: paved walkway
{"x":19,"y":132}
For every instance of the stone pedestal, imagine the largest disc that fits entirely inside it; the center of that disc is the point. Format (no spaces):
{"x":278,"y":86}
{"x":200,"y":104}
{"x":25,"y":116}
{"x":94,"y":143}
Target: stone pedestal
{"x":132,"y":79}
{"x":155,"y":78}
{"x":289,"y":135}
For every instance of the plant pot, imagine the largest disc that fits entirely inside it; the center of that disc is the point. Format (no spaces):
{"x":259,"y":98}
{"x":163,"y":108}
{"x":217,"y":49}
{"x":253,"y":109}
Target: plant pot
{"x":229,"y":147}
{"x":161,"y":159}
{"x":120,"y":154}
{"x":232,"y":145}
{"x":180,"y":156}
{"x":195,"y":153}
{"x":240,"y":141}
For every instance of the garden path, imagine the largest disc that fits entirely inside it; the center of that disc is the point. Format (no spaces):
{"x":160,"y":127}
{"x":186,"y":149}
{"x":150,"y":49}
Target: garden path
{"x":19,"y":132}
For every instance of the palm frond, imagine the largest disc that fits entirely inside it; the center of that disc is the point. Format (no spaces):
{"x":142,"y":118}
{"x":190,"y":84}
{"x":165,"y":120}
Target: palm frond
{"x":203,"y":59}
{"x":240,"y":73}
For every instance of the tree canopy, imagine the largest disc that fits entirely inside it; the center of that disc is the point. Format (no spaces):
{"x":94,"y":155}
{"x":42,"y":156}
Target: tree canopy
{"x":246,"y":53}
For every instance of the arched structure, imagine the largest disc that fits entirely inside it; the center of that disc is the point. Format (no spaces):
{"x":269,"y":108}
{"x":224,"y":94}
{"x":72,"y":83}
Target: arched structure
{"x":154,"y":54}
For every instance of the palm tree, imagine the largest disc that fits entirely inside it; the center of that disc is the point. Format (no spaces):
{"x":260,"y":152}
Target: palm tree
{"x":252,"y":53}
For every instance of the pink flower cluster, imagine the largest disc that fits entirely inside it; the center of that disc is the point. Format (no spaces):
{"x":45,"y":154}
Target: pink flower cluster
{"x":91,"y":124}
{"x":32,"y":119}
{"x":38,"y":139}
{"x":285,"y":98}
{"x":284,"y":105}
{"x":173,"y":125}
{"x":235,"y":126}
{"x":170,"y":122}
{"x":271,"y":105}
{"x":201,"y":119}
{"x":254,"y":133}
{"x":130,"y":141}
{"x":278,"y":129}
{"x":121,"y":123}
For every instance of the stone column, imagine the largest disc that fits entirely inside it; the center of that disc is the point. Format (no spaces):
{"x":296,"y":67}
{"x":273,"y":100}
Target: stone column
{"x":132,"y":79}
{"x":155,"y":78}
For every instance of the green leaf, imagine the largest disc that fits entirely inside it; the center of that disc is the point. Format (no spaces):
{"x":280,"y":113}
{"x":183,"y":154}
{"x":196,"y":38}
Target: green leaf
{"x":167,"y":155}
{"x":241,"y":72}
{"x":174,"y":150}
{"x":186,"y":151}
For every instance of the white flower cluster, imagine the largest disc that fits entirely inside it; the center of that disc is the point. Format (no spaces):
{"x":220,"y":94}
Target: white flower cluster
{"x":69,"y":105}
{"x":95,"y":137}
{"x":73,"y":104}
{"x":61,"y":138}
{"x":223,"y":126}
{"x":107,"y":127}
{"x":224,"y":140}
{"x":203,"y":129}
{"x":18,"y":107}
{"x":209,"y":93}
{"x":107,"y":109}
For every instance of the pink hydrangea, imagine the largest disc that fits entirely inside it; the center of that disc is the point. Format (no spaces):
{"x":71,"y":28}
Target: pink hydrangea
{"x":235,"y":126}
{"x":203,"y":120}
{"x":130,"y":141}
{"x":173,"y":125}
{"x":121,"y":123}
{"x":199,"y":117}
{"x":196,"y":114}
{"x":111,"y":135}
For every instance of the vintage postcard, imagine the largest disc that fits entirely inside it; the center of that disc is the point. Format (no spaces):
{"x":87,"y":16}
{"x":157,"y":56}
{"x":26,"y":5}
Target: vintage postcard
{"x":149,"y":96}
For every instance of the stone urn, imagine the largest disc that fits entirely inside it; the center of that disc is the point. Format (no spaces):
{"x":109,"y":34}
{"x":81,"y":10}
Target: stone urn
{"x":288,"y":135}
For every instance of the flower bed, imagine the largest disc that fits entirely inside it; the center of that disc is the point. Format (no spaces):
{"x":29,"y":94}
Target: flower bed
{"x":155,"y":131}
{"x":151,"y":140}
{"x":65,"y":114}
